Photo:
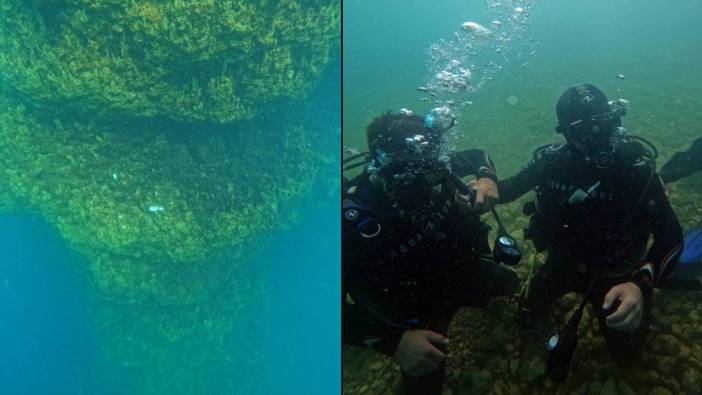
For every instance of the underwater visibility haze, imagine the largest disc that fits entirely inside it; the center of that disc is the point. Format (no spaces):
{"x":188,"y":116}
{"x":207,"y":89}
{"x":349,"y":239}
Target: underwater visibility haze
{"x":156,"y":161}
{"x":500,"y":66}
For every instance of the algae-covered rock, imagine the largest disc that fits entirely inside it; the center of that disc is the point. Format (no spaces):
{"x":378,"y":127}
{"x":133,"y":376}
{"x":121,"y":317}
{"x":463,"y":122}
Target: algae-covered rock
{"x":188,"y":60}
{"x":475,"y":383}
{"x":684,"y":352}
{"x":692,"y":381}
{"x":531,"y":369}
{"x":666,"y":344}
{"x":625,"y":388}
{"x":660,"y":391}
{"x":609,"y":388}
{"x":142,"y":207}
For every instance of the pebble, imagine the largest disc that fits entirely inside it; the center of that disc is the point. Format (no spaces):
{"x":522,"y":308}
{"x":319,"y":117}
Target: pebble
{"x":477,"y":382}
{"x":697,"y":351}
{"x":676,"y":328}
{"x":664,"y":321}
{"x":393,"y":380}
{"x":531,"y":369}
{"x":670,"y":382}
{"x":593,"y":388}
{"x":660,"y":391}
{"x":625,"y":388}
{"x":666,"y":344}
{"x":689,"y":332}
{"x":663,"y":365}
{"x":513,"y":366}
{"x":695,"y":363}
{"x":499,"y":387}
{"x":609,"y":388}
{"x":692,"y":381}
{"x":684,"y":352}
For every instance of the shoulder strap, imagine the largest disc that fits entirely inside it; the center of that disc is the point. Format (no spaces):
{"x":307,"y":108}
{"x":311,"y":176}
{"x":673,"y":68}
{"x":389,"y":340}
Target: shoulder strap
{"x":356,"y":217}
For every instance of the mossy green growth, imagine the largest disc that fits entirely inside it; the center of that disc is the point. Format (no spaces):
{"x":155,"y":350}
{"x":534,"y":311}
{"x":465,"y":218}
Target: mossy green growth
{"x":7,"y":201}
{"x":153,"y":213}
{"x":175,"y":349}
{"x":187,"y":60}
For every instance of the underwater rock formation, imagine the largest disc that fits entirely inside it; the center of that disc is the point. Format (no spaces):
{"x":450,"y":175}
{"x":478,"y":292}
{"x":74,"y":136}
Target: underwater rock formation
{"x":164,"y":140}
{"x":97,"y":186}
{"x":187,"y":60}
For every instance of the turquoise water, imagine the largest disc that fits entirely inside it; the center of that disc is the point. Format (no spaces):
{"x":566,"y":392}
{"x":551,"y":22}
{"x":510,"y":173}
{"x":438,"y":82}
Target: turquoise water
{"x":652,"y":43}
{"x":46,"y":342}
{"x":301,"y":274}
{"x":303,"y":320}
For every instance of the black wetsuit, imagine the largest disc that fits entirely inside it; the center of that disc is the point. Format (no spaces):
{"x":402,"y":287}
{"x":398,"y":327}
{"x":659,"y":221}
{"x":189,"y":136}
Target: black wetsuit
{"x":412,"y":270}
{"x":683,"y":164}
{"x":611,"y":226}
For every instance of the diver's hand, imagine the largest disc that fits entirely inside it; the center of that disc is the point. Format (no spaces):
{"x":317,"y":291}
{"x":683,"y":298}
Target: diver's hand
{"x":416,"y":354}
{"x":463,"y":201}
{"x":628,"y":315}
{"x":486,"y":194}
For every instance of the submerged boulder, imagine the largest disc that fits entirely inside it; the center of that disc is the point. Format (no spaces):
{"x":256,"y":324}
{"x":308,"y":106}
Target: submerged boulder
{"x":164,"y":141}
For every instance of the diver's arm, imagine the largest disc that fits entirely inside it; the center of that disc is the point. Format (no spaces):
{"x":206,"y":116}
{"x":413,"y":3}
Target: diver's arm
{"x":683,"y":164}
{"x":362,"y":325}
{"x":636,"y":290}
{"x":522,"y":182}
{"x":361,"y":328}
{"x":473,"y":162}
{"x":667,"y":234}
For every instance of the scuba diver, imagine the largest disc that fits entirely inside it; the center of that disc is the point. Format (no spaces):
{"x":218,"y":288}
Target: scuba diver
{"x":414,"y":248}
{"x":598,"y":200}
{"x":687,"y":273}
{"x":683,"y":164}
